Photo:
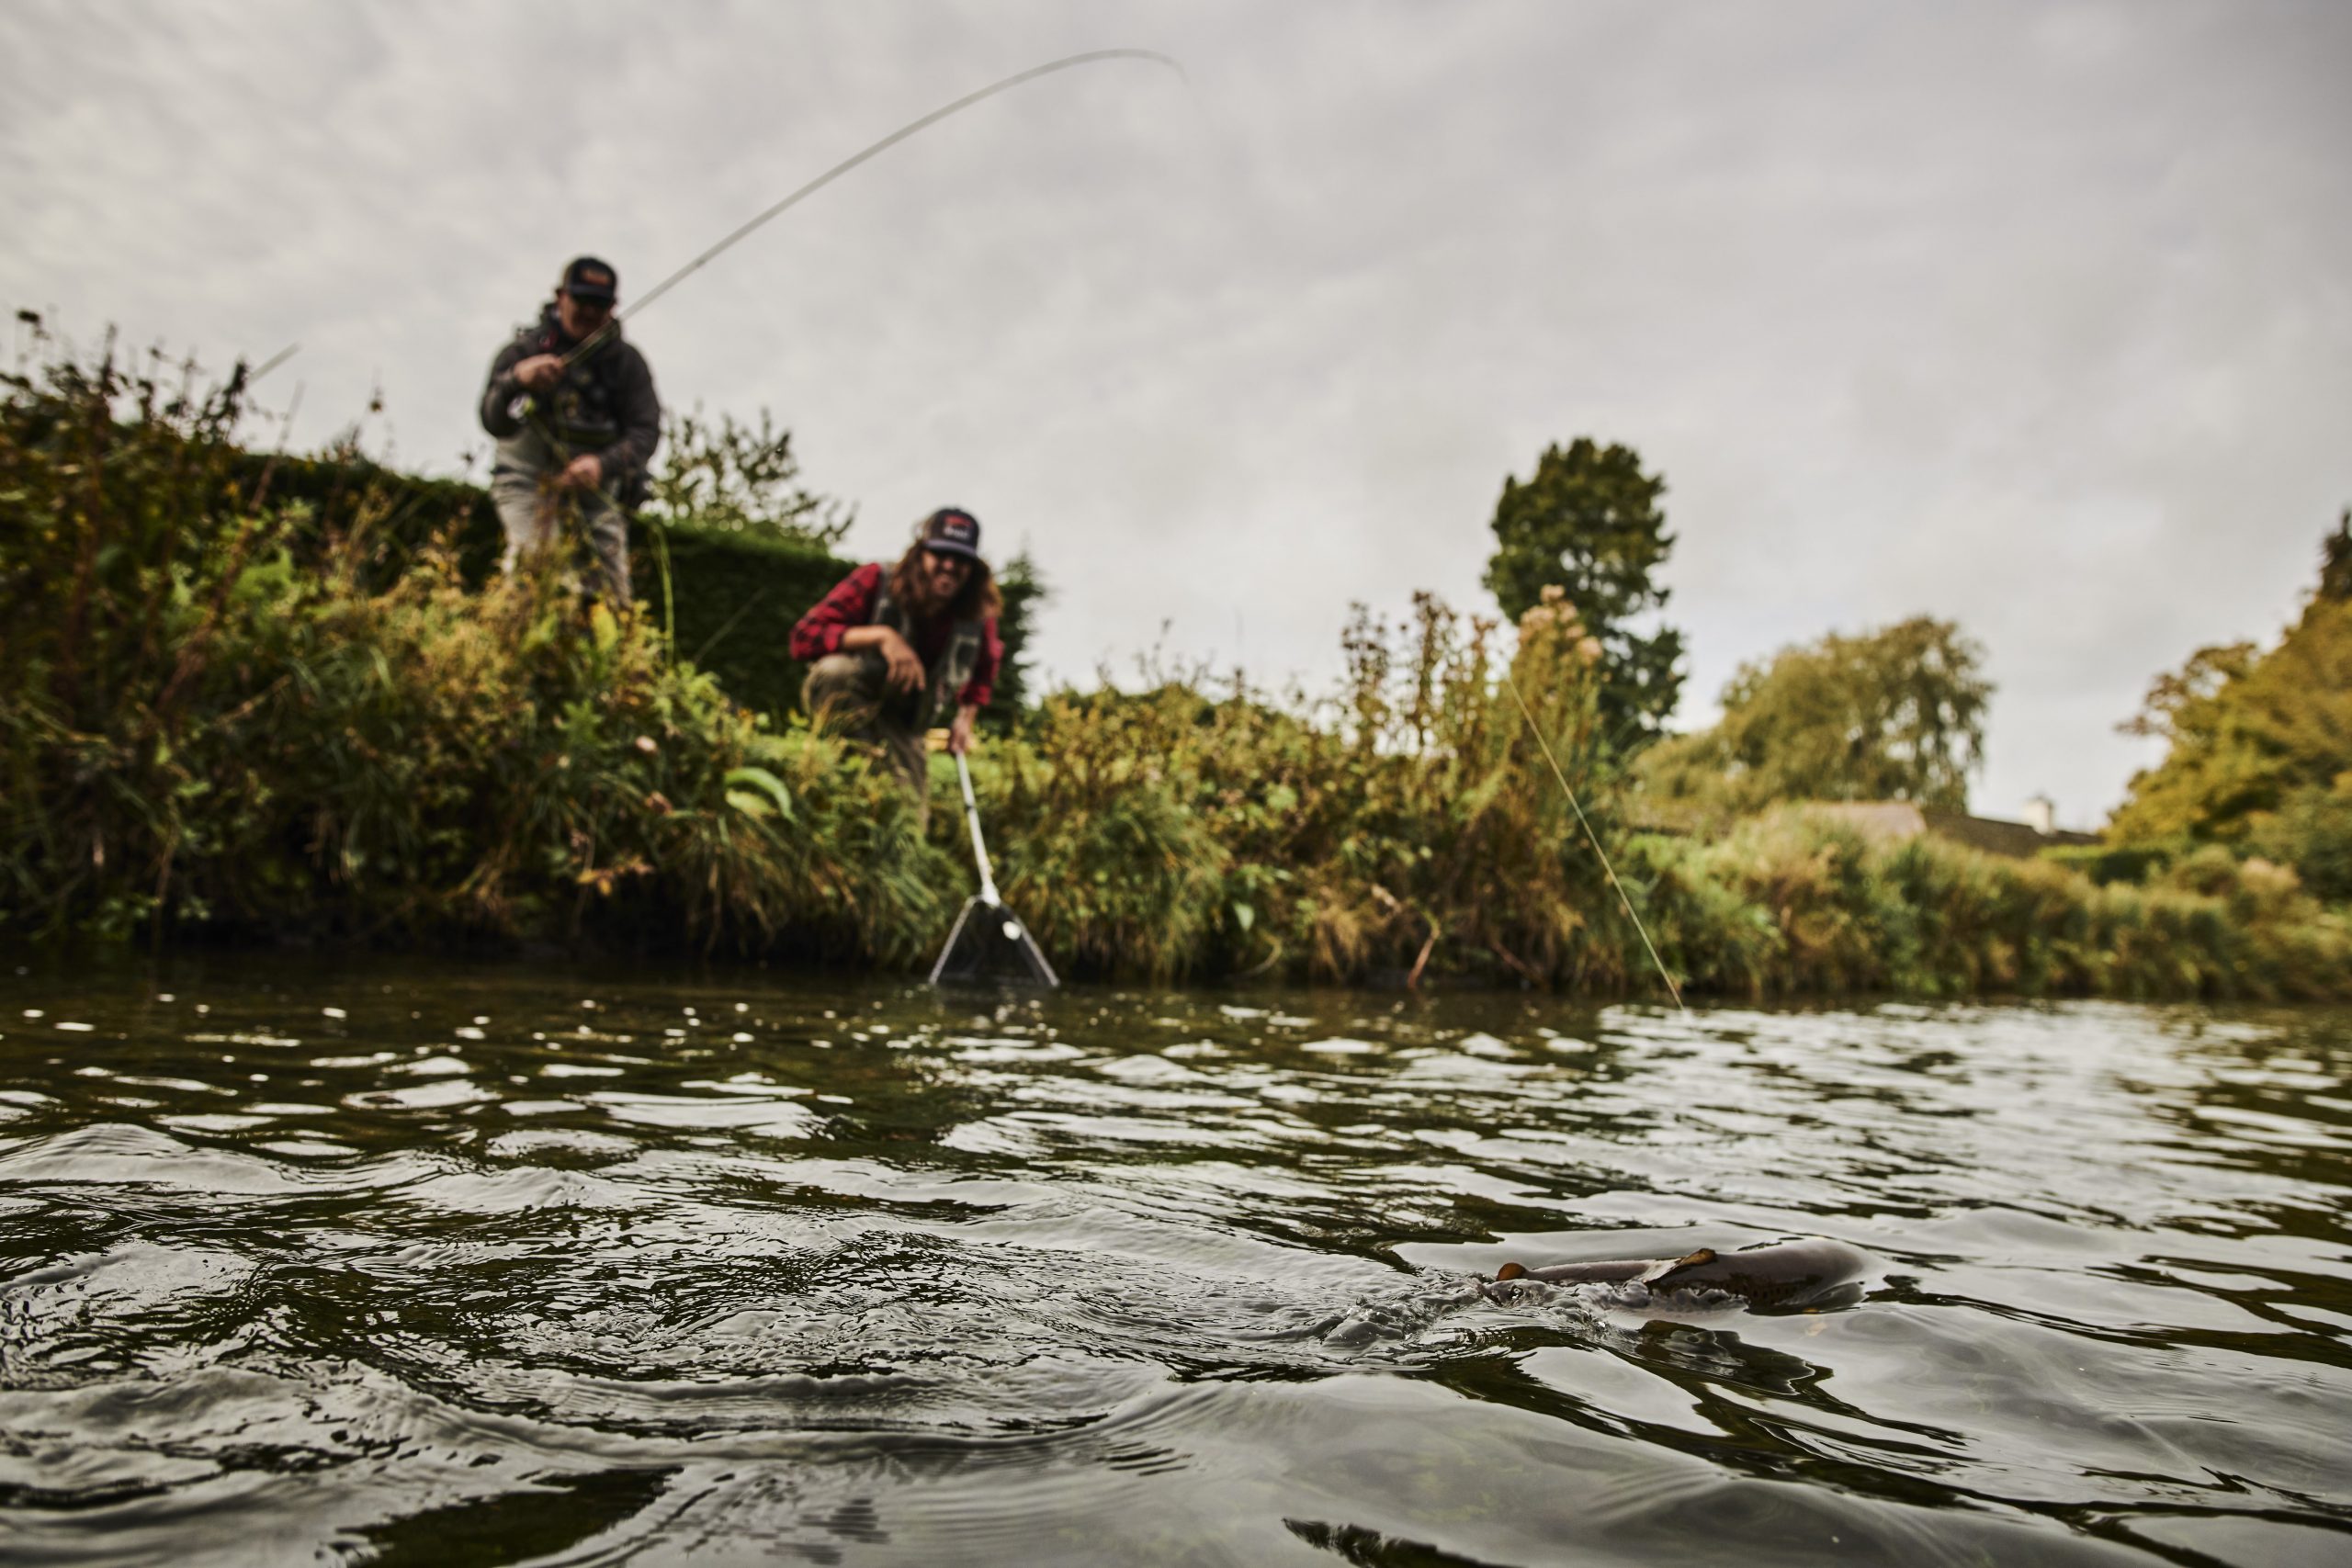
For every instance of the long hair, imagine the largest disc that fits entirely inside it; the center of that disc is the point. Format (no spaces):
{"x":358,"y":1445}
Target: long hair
{"x":977,"y":600}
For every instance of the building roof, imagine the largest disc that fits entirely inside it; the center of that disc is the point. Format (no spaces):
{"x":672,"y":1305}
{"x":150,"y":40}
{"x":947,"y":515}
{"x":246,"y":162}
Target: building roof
{"x":1891,"y":821}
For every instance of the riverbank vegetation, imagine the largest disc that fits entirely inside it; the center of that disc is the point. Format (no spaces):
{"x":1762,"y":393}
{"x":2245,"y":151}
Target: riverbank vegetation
{"x":1895,"y":714}
{"x":2258,"y":758}
{"x":231,"y":712}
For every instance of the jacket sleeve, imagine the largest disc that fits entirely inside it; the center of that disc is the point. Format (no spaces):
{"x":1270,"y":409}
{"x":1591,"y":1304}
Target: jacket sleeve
{"x":981,"y":687}
{"x":851,"y":603}
{"x":498,"y":398}
{"x":639,"y":413}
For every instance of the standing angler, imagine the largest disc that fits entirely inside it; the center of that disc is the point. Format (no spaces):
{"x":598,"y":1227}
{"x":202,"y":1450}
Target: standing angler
{"x":575,"y":430}
{"x":896,"y":649}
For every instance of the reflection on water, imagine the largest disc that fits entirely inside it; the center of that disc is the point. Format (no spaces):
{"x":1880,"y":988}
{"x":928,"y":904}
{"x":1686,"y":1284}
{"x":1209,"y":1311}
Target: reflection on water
{"x":432,"y":1265}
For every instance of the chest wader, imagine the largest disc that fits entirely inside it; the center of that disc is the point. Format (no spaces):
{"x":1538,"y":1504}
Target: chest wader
{"x":582,"y":414}
{"x":578,"y":413}
{"x":949,"y":673}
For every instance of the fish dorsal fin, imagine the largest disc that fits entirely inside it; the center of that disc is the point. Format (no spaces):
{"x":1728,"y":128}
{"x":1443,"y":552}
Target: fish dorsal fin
{"x":1510,"y":1271}
{"x":1666,"y":1271}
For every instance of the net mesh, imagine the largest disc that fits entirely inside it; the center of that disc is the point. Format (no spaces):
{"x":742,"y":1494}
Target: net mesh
{"x":991,"y":947}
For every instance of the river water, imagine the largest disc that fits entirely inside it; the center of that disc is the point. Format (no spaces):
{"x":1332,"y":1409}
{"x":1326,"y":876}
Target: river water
{"x":434,"y":1265}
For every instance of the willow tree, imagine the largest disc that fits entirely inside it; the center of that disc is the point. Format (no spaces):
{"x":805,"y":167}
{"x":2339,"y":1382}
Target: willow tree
{"x":1589,"y":521}
{"x":1895,"y":714}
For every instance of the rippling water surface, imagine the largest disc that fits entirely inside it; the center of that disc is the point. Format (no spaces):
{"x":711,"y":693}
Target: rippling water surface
{"x":426,"y":1264}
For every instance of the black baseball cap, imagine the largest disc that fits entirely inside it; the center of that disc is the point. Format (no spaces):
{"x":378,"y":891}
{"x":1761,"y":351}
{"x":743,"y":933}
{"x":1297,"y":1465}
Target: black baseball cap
{"x":591,"y":282}
{"x":951,"y":531}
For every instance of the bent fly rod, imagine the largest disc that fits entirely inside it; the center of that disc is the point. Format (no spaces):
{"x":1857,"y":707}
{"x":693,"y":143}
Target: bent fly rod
{"x":753,"y":225}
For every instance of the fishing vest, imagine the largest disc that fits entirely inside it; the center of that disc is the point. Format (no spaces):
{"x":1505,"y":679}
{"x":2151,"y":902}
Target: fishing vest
{"x":949,"y":673}
{"x":582,"y":411}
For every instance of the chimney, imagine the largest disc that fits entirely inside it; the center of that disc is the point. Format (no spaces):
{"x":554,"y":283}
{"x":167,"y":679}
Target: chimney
{"x":2042,"y":814}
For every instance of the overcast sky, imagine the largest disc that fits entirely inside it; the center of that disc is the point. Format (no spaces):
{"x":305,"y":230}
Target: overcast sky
{"x":2036,"y":318}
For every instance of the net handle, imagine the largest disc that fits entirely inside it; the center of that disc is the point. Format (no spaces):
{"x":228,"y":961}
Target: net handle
{"x":979,"y":846}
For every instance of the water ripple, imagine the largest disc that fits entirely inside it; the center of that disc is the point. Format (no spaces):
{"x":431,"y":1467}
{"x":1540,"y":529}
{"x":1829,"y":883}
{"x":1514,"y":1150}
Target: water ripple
{"x":359,"y":1264}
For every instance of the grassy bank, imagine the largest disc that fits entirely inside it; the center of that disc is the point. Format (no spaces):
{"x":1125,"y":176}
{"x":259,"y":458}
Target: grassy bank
{"x":221,"y":717}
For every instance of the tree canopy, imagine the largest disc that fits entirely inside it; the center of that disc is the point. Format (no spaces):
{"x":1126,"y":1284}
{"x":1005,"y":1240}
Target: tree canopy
{"x":1897,"y":713}
{"x":734,"y":479}
{"x":2259,"y":754}
{"x":1588,"y":520}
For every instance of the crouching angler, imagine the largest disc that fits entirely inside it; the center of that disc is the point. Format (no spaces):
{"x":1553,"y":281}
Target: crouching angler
{"x":895,"y":649}
{"x":575,"y":430}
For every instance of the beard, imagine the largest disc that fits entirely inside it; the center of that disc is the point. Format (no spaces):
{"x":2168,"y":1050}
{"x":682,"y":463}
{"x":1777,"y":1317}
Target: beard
{"x":913,"y":586}
{"x":936,"y":597}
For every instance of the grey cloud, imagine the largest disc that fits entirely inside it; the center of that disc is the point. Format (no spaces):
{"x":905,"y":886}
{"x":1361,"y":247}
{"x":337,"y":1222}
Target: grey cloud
{"x":2030,"y":316}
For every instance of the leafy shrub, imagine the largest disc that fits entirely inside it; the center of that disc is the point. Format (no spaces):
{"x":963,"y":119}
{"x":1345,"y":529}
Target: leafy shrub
{"x":220,"y":710}
{"x":212,"y":720}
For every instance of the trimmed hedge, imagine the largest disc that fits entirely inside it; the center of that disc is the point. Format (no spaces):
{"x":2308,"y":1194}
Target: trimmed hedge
{"x":399,"y":512}
{"x":736,"y":595}
{"x":735,"y":598}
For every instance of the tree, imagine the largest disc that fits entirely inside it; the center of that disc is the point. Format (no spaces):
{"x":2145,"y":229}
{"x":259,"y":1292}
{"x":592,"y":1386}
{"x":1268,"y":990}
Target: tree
{"x":1024,"y":592}
{"x":2336,"y":560}
{"x":1588,"y":520}
{"x":2260,"y":744}
{"x":732,"y":479}
{"x":1897,"y":713}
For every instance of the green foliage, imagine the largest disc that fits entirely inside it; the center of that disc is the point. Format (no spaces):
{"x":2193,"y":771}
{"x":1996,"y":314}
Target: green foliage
{"x":733,"y":549}
{"x":213,"y":719}
{"x":1709,"y":931}
{"x":1897,"y":713}
{"x":735,"y":596}
{"x":222,"y":713}
{"x":2259,"y":754}
{"x":729,"y":478}
{"x":2312,"y":831}
{"x":2104,"y":863}
{"x":1407,"y":826}
{"x":377,"y":517}
{"x":1120,"y":875}
{"x":1794,"y":902}
{"x":735,"y":591}
{"x":2336,"y":561}
{"x":1023,"y":591}
{"x":1588,"y":520}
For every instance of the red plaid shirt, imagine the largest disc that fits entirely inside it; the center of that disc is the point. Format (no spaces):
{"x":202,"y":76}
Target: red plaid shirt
{"x":851,"y":603}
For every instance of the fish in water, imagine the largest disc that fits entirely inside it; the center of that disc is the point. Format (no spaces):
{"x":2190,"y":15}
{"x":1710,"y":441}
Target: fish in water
{"x":1789,"y":1276}
{"x":1784,"y":1277}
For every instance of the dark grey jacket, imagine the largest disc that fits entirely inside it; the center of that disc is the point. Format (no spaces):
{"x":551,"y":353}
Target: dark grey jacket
{"x":605,"y":404}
